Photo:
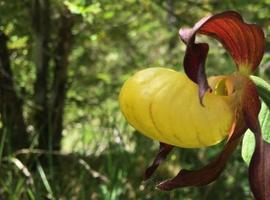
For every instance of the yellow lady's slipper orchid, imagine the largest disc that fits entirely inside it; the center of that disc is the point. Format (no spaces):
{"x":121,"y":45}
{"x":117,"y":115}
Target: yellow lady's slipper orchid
{"x":188,"y":110}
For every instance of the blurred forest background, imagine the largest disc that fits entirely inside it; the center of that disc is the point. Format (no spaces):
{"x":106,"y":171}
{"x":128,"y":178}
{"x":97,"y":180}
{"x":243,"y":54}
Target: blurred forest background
{"x":62,"y":63}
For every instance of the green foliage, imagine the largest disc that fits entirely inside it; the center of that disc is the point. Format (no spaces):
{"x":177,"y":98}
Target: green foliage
{"x":248,"y":146}
{"x":263,"y":89}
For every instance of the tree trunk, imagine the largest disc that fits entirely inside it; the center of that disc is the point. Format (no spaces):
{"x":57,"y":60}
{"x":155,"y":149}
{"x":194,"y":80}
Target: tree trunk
{"x":41,"y":27}
{"x":61,"y":75}
{"x":50,"y":103}
{"x":11,"y":105}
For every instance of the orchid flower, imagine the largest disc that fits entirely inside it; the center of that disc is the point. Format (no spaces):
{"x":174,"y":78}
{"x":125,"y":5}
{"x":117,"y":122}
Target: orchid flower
{"x":192,"y":111}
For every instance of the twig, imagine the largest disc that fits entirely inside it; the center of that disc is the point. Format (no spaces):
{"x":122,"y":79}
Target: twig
{"x":81,"y":161}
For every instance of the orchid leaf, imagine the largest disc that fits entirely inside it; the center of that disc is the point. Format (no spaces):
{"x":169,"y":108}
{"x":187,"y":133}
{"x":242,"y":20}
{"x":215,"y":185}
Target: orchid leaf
{"x":264,"y":91}
{"x":248,"y":144}
{"x":263,"y":88}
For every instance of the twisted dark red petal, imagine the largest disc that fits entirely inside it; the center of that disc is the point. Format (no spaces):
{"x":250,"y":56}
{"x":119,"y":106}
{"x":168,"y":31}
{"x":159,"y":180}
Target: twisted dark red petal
{"x":210,"y":172}
{"x":259,"y":168}
{"x":164,"y":150}
{"x":195,"y":58}
{"x":203,"y":176}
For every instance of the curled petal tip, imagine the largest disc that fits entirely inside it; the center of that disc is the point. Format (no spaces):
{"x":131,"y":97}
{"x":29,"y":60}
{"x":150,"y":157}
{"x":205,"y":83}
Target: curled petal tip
{"x":185,"y":34}
{"x":165,"y":186}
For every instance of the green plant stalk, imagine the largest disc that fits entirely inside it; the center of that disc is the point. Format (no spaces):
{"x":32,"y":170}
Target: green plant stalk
{"x":45,"y":180}
{"x":2,"y":143}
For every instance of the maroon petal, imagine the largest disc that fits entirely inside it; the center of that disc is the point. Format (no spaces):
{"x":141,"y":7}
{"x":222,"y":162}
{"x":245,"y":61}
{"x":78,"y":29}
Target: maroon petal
{"x":164,"y":150}
{"x":244,"y":42}
{"x":251,"y":105}
{"x":206,"y":174}
{"x":259,"y":168}
{"x":195,"y":58}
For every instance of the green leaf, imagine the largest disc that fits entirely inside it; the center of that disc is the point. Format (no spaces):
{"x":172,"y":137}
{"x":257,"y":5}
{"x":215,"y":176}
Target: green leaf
{"x":248,"y":144}
{"x":263,"y":89}
{"x":74,"y":8}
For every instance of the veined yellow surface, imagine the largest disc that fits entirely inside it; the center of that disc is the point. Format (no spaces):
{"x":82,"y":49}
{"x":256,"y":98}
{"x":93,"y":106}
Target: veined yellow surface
{"x":164,"y":105}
